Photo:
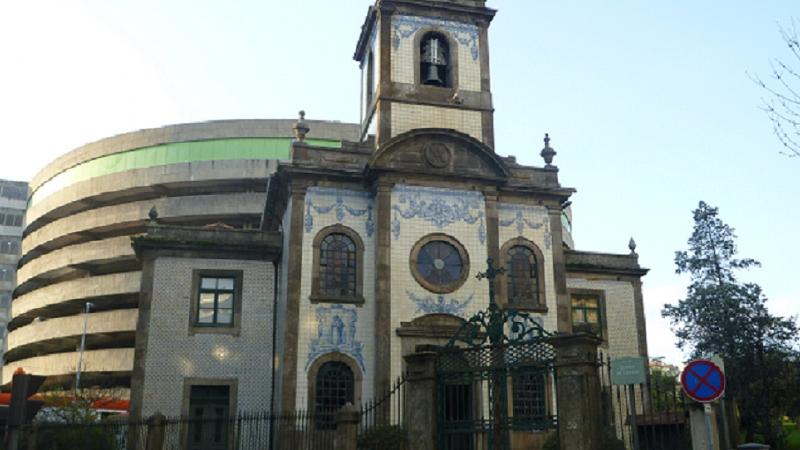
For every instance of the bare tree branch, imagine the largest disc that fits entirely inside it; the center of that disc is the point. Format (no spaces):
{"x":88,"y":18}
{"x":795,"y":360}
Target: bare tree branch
{"x":782,"y":105}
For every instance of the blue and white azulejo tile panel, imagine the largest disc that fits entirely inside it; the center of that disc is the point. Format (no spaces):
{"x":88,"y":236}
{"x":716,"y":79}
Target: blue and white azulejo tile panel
{"x":336,"y":332}
{"x":341,"y":202}
{"x":404,"y":27}
{"x":524,"y":218}
{"x":438,"y":207}
{"x":439,"y":304}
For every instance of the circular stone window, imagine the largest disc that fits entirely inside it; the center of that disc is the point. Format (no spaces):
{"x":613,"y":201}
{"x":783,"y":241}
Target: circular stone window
{"x":439,"y":263}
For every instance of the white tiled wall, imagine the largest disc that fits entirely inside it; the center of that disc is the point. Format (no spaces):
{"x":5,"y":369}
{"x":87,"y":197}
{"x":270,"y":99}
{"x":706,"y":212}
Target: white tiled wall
{"x":620,"y":314}
{"x":405,"y":29}
{"x":172,"y":354}
{"x":353,"y":209}
{"x":406,"y":117}
{"x":436,"y":211}
{"x":533,"y":224}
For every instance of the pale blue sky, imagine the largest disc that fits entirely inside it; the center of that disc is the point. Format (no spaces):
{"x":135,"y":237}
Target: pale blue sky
{"x":648,"y":103}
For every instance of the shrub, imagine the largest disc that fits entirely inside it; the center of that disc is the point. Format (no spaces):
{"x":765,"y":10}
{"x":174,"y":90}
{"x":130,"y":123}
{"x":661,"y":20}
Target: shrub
{"x":383,"y":437}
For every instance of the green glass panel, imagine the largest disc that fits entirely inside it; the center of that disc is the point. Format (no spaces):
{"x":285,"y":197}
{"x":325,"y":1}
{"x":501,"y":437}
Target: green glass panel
{"x":174,"y":153}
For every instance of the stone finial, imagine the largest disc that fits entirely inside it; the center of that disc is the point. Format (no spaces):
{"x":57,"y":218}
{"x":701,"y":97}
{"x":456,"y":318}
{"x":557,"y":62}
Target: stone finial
{"x":153,"y":213}
{"x":301,"y":128}
{"x":547,"y":152}
{"x":632,"y":246}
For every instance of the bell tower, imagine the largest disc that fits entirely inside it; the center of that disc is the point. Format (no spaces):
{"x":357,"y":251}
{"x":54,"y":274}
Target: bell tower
{"x":425,"y":64}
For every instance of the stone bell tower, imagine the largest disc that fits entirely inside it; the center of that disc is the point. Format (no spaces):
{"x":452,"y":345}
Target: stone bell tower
{"x":425,"y":64}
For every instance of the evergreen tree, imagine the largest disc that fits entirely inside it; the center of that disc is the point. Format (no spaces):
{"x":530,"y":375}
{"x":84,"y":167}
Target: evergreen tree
{"x":723,"y":316}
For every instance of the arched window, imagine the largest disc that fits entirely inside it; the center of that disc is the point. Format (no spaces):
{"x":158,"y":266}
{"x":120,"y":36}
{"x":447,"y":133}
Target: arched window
{"x":435,"y":60}
{"x":335,"y":386}
{"x":521,"y":269}
{"x":338,"y":255}
{"x":523,"y":282}
{"x":337,"y":266}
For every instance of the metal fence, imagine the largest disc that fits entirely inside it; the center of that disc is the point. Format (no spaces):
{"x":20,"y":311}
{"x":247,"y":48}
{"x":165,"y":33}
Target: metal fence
{"x":649,"y":416}
{"x":382,"y":425}
{"x":257,"y":431}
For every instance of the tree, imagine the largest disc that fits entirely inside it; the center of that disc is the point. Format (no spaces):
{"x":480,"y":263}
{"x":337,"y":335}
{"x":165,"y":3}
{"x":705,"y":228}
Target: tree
{"x":723,"y":316}
{"x":783,"y":103}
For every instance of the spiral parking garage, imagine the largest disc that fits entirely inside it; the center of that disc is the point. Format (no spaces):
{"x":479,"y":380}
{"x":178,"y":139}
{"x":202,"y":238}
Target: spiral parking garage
{"x":85,"y":205}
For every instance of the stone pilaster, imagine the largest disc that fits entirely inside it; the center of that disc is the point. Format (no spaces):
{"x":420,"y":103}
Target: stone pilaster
{"x":292,"y":319}
{"x":493,"y":238}
{"x":420,"y":400}
{"x":563,"y":320}
{"x":383,"y":288}
{"x":580,"y":412}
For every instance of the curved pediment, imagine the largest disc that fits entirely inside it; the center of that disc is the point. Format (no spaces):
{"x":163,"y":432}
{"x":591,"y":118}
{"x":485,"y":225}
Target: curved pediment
{"x":441,"y":152}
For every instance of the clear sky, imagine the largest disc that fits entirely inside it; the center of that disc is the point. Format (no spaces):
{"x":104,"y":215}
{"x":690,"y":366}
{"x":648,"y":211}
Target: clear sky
{"x":648,"y":103}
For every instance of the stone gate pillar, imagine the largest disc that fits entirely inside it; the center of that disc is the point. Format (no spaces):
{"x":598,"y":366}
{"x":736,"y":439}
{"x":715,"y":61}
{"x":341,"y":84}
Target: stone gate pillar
{"x":419,"y":410}
{"x":578,"y":391}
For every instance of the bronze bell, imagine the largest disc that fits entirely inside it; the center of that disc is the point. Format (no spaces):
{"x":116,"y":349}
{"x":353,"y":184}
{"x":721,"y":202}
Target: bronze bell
{"x":432,"y":77}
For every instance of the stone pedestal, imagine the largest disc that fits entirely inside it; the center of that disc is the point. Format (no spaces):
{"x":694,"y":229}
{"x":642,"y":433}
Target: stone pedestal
{"x":347,"y":428}
{"x":419,"y":409}
{"x":155,"y":432}
{"x":580,"y":415}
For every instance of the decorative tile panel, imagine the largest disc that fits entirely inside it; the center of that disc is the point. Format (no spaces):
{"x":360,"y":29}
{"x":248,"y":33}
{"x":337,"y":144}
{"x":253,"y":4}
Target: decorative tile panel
{"x":519,"y":216}
{"x":439,"y":304}
{"x":336,"y":332}
{"x":341,"y":202}
{"x":438,"y":207}
{"x":404,"y":27}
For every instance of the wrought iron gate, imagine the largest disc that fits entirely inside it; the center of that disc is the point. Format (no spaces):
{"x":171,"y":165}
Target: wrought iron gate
{"x":495,"y":382}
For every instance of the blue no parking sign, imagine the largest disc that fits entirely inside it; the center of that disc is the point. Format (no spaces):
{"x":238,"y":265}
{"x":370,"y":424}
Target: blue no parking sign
{"x":703,"y":381}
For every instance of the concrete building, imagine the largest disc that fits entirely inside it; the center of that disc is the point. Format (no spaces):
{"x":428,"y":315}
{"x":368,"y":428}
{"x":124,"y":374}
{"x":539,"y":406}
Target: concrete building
{"x":12,"y":213}
{"x":84,"y":207}
{"x":295,"y":263}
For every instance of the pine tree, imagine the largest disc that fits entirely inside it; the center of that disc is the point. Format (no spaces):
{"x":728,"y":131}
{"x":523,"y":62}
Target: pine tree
{"x":723,"y":316}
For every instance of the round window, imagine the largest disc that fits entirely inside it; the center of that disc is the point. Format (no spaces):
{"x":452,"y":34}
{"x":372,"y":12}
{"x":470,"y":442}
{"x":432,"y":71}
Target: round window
{"x":439,"y":263}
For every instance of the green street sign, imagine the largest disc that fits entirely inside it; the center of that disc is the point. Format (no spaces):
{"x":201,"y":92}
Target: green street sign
{"x":627,"y":371}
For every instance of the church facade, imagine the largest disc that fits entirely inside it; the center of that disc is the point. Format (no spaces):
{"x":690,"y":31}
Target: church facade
{"x":370,"y":249}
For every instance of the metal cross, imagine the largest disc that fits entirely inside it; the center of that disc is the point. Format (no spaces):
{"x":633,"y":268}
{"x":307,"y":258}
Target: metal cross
{"x":491,"y":273}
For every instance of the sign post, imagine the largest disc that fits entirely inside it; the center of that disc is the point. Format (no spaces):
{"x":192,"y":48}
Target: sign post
{"x":629,"y":372}
{"x":703,"y":381}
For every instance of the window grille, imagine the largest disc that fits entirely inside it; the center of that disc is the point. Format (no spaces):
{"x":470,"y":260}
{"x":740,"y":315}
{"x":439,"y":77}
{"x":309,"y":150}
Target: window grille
{"x":334,"y":389}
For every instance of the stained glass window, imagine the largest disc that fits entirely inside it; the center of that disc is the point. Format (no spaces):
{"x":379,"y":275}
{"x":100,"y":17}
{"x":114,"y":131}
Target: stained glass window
{"x":215,"y":301}
{"x":337,"y":266}
{"x":586,"y":314}
{"x":440,"y":264}
{"x":334,"y":389}
{"x":522,"y":276}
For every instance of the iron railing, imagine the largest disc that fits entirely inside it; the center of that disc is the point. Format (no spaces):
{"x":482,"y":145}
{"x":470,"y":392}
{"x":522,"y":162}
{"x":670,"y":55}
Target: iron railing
{"x":649,"y":416}
{"x":382,"y":425}
{"x":246,"y":431}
